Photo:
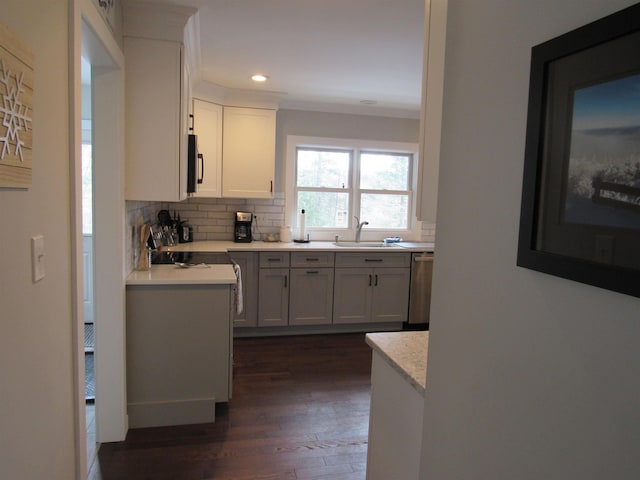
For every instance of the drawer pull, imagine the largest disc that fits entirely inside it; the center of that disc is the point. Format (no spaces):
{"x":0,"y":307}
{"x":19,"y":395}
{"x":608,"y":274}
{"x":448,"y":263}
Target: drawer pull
{"x":274,"y":259}
{"x":373,"y":259}
{"x":311,"y":272}
{"x":313,"y":259}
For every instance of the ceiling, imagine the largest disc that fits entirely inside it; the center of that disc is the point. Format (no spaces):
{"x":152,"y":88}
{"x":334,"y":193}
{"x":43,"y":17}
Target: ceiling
{"x":360,"y":56}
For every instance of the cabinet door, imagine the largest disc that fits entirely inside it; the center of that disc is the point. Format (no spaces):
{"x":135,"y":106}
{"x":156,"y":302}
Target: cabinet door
{"x":273,"y":297}
{"x":311,"y":296}
{"x":207,"y":125}
{"x":248,"y":262}
{"x":352,"y":295}
{"x":248,"y":152}
{"x":390,"y":295}
{"x":156,"y":134}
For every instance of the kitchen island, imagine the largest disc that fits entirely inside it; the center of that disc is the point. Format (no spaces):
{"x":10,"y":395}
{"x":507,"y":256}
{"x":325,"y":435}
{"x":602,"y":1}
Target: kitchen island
{"x":179,"y":343}
{"x":398,"y":383}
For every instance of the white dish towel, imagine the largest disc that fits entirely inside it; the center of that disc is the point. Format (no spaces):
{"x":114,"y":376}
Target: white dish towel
{"x":238,"y":289}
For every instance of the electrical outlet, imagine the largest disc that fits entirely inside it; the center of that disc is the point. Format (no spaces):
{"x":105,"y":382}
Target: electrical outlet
{"x":37,"y":258}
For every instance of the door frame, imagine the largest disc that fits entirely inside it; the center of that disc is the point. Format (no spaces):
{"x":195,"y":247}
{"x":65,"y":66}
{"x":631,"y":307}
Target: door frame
{"x":90,"y":36}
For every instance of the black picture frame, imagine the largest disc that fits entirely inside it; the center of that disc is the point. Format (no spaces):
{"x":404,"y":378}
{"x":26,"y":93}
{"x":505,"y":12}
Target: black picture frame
{"x":580,"y":210}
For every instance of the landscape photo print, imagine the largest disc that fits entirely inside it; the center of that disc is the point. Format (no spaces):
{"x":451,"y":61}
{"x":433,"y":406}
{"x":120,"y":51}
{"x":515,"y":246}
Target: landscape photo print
{"x":603,"y":178}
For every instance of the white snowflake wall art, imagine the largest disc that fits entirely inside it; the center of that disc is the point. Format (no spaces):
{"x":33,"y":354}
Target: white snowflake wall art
{"x":15,"y":115}
{"x":16,"y":110}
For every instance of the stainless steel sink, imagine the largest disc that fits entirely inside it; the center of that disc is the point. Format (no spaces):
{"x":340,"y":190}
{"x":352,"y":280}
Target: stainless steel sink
{"x":364,"y":245}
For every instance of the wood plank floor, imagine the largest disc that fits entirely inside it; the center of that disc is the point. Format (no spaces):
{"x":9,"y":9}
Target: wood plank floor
{"x":300,"y":410}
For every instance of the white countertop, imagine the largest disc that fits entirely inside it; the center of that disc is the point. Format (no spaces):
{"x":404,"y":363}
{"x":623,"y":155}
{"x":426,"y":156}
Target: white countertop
{"x":174,"y":275}
{"x":406,"y":352}
{"x":228,"y":246}
{"x":224,"y":274}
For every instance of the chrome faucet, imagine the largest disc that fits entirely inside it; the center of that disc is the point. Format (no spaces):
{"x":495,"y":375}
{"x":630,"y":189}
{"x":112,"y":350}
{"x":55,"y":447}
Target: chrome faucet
{"x":359,"y":229}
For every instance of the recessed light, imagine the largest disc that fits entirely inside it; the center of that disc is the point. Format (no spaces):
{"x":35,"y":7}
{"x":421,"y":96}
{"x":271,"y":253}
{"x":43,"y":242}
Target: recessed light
{"x":259,"y":77}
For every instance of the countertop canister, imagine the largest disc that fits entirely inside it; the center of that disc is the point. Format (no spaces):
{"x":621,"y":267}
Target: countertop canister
{"x":285,"y":234}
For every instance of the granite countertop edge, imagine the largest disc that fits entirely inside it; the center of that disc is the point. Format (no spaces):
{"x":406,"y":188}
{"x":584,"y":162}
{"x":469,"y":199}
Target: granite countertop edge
{"x":406,"y":352}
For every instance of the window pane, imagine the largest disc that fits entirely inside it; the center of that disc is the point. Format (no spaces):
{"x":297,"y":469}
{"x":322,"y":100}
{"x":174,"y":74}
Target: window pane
{"x":382,"y":171}
{"x":384,"y":211}
{"x":324,"y":209}
{"x":323,"y":168}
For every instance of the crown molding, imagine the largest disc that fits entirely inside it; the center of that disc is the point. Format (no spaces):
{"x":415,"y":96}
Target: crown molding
{"x":155,"y":21}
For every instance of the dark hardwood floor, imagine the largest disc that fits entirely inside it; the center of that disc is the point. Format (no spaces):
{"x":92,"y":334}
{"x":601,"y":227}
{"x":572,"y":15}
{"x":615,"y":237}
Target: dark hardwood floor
{"x":300,"y":410}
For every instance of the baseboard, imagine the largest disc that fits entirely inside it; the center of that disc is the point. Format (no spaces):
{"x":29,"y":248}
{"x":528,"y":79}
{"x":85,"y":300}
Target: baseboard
{"x":173,"y":412}
{"x":243,"y":332}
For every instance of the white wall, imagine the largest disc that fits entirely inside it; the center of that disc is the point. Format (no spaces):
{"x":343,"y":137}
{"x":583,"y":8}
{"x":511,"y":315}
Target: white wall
{"x":529,"y":376}
{"x":36,"y":349}
{"x":338,"y":125}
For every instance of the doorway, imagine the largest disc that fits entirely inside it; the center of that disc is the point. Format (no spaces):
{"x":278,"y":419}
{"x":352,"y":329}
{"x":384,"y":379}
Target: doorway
{"x":87,"y":262}
{"x":98,"y":243}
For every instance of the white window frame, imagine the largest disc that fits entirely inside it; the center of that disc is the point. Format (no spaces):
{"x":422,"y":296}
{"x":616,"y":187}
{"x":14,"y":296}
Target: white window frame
{"x":413,"y":232}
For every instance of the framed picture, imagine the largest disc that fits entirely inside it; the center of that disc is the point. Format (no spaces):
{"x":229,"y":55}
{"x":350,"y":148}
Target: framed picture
{"x":16,"y":110}
{"x":580,"y":213}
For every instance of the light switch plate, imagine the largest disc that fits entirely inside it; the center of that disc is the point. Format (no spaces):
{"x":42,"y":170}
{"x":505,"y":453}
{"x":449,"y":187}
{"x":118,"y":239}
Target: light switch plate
{"x":37,"y":258}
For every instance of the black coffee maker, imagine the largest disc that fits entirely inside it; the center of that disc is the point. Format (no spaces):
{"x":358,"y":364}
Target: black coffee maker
{"x":242,"y":228}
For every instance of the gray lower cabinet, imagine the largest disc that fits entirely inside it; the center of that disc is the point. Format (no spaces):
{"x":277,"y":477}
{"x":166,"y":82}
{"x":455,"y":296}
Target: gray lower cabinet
{"x":248,"y":262}
{"x":273,"y":289}
{"x":311,"y":292}
{"x":179,"y":349}
{"x":324,"y":288}
{"x":371,"y":288}
{"x":390,"y":299}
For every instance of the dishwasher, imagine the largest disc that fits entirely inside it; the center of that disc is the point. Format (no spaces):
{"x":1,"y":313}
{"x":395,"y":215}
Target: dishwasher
{"x":420,"y":291}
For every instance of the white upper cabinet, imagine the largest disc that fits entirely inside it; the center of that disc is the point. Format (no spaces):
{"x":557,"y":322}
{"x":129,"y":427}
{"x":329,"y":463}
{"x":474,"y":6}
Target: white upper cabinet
{"x":207,"y":126}
{"x":237,"y":145}
{"x":248,"y":152}
{"x":156,"y":95}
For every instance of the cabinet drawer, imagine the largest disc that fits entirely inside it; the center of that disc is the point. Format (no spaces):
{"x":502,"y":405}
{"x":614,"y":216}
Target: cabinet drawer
{"x":373,"y":259}
{"x":274,"y":259}
{"x":312,"y":259}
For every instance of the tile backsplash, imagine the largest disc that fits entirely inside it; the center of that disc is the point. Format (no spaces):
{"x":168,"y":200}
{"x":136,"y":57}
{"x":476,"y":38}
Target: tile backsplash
{"x":137,"y":212}
{"x":210,"y":218}
{"x":213,"y":218}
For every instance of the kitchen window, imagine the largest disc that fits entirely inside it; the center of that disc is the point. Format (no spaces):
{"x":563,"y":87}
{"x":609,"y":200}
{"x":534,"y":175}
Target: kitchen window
{"x":336,"y":180}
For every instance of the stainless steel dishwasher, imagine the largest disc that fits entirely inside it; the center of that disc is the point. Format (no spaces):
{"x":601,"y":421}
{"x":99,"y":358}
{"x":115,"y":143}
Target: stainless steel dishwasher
{"x":420,"y":290}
